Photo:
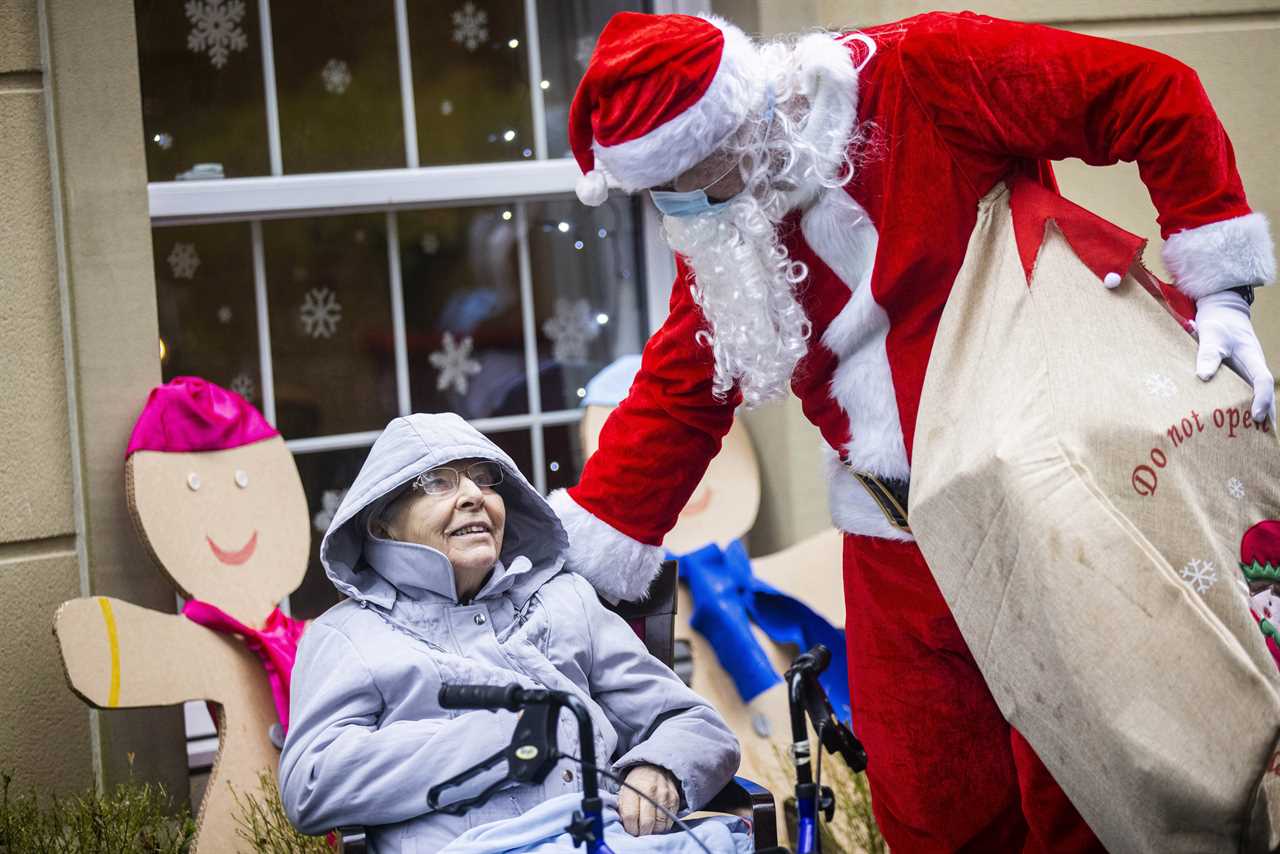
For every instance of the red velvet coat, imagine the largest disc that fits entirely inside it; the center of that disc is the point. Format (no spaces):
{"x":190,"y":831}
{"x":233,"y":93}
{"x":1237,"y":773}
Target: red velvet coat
{"x":957,"y":103}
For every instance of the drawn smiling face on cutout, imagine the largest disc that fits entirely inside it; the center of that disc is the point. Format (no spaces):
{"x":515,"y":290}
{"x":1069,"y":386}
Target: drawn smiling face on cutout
{"x":228,"y":527}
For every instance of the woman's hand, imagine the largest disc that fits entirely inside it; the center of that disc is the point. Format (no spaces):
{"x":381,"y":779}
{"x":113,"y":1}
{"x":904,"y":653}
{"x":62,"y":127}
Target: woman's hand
{"x":639,"y":816}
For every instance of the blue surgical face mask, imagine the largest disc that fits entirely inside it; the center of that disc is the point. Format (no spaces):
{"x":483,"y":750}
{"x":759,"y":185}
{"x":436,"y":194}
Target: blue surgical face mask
{"x":695,"y":202}
{"x":689,"y":203}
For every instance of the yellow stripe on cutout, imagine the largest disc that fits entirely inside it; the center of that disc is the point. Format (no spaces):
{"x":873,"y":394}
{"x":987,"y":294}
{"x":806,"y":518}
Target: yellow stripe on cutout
{"x":113,"y":640}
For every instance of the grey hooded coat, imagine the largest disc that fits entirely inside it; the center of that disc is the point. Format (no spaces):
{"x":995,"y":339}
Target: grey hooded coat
{"x":367,"y":737}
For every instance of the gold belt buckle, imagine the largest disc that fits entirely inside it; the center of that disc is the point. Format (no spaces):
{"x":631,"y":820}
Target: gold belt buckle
{"x":894,"y":513}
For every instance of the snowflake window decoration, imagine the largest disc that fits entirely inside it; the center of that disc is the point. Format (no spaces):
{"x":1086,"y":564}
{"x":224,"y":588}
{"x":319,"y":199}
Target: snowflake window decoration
{"x":454,"y":362}
{"x":1235,"y":488}
{"x":224,"y":315}
{"x":215,"y":28}
{"x":243,"y":385}
{"x":571,"y":329}
{"x":337,"y":76}
{"x":330,"y":500}
{"x":429,"y":244}
{"x":183,"y":260}
{"x":320,"y":313}
{"x":470,"y":26}
{"x":1200,"y":574}
{"x":1158,"y":385}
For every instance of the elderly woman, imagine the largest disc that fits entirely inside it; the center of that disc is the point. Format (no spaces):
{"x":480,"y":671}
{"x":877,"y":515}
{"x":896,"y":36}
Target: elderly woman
{"x":452,"y":565}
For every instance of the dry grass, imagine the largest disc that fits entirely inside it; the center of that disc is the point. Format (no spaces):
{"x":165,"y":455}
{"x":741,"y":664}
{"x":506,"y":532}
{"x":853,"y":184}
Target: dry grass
{"x":264,"y":825}
{"x":853,"y":830}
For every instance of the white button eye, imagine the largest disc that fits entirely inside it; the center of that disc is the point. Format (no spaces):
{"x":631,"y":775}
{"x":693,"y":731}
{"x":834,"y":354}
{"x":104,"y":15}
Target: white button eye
{"x":242,"y":478}
{"x":193,"y":481}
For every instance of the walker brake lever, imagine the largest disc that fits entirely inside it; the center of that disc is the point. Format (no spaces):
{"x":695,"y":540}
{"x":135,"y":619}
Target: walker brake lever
{"x":530,"y":757}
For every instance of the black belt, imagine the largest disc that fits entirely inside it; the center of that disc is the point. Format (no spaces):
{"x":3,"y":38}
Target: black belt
{"x":890,"y":495}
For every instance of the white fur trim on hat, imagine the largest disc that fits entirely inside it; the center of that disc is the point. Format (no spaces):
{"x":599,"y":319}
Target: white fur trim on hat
{"x":619,"y":568}
{"x":672,"y":148}
{"x":1221,"y":255}
{"x":592,"y":189}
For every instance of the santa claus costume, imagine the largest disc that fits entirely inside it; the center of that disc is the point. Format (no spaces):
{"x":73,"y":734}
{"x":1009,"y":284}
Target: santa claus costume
{"x":906,"y":127}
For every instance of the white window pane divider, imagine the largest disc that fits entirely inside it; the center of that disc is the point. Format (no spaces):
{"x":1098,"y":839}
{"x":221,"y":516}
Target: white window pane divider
{"x":532,"y":382}
{"x":344,"y":441}
{"x":534,"y":53}
{"x":397,"y":314}
{"x":264,"y":323}
{"x":659,"y":268}
{"x":407,"y":108}
{"x":269,"y":87}
{"x":276,"y":197}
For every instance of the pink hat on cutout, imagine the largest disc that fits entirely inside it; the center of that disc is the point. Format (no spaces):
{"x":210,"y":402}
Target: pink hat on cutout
{"x":188,"y":414}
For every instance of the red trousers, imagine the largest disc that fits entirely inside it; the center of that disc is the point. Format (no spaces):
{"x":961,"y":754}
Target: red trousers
{"x":946,"y":771}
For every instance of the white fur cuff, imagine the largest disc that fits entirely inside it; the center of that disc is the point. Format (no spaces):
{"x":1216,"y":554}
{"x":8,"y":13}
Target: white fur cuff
{"x":618,"y":567}
{"x":853,"y":510}
{"x":1222,"y":255}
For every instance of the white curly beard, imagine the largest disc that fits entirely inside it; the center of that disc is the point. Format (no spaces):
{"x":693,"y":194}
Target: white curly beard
{"x":743,"y":282}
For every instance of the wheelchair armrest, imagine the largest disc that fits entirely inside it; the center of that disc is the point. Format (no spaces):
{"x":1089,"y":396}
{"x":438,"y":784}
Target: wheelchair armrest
{"x":351,"y":840}
{"x":748,"y":799}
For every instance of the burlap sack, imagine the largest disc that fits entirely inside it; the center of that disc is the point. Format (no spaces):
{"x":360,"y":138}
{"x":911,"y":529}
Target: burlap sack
{"x":1081,"y":498}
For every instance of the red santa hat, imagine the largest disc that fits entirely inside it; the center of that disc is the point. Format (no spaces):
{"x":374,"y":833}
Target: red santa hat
{"x":661,"y":94}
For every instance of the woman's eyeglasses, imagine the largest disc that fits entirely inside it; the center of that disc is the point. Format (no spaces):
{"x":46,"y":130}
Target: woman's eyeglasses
{"x":443,"y":480}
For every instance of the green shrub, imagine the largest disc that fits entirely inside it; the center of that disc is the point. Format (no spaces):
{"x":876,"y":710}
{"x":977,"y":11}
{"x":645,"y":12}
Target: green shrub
{"x":264,"y":825}
{"x":131,"y":817}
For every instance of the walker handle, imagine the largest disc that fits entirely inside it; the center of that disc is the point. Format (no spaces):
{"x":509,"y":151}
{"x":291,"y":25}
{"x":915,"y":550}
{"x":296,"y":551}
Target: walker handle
{"x":492,"y":697}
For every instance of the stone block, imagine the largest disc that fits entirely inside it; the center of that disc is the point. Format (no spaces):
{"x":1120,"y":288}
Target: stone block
{"x":19,"y":36}
{"x":35,"y":461}
{"x":44,"y":728}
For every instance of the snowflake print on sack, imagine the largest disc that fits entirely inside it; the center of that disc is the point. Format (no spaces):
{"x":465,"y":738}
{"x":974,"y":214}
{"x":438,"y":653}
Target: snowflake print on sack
{"x":1158,"y":385}
{"x":337,"y":76}
{"x":470,"y":26}
{"x":573,"y":326}
{"x":243,"y":385}
{"x":1200,"y":574}
{"x":320,"y":313}
{"x":1235,"y":488}
{"x":215,"y":27}
{"x":330,"y":500}
{"x":454,"y":362}
{"x":183,"y":260}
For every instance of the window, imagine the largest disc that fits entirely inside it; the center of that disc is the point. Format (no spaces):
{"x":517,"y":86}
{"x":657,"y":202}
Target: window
{"x":365,"y":210}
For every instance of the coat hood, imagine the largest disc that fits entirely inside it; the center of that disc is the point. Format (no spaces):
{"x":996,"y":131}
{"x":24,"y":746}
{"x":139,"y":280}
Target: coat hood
{"x":534,"y":542}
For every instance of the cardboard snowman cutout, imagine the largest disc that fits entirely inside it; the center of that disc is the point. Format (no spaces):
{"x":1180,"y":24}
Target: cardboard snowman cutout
{"x":217,"y":500}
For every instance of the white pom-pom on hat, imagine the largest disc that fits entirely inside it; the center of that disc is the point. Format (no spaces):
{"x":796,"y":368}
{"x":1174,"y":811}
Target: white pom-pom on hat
{"x":592,"y":189}
{"x":1111,"y":280}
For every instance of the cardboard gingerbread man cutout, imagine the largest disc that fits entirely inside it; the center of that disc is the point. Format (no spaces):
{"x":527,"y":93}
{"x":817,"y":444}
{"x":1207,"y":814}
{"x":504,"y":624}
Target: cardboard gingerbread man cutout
{"x":217,"y":500}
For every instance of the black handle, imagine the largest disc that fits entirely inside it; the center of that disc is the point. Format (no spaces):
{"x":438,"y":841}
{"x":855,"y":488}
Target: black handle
{"x":481,"y":697}
{"x":812,"y":662}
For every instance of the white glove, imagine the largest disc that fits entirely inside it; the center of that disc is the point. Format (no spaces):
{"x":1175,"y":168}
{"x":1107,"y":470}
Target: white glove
{"x":1226,"y":332}
{"x":639,"y":817}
